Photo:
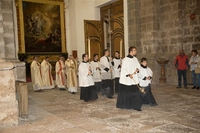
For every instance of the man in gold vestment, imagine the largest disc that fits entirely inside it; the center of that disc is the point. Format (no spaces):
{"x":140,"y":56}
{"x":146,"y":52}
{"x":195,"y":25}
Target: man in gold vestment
{"x":71,"y":71}
{"x":60,"y":73}
{"x":36,"y":75}
{"x":46,"y":74}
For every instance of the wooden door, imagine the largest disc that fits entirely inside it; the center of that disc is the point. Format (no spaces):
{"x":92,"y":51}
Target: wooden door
{"x":117,"y":25}
{"x":93,"y":37}
{"x":74,"y":53}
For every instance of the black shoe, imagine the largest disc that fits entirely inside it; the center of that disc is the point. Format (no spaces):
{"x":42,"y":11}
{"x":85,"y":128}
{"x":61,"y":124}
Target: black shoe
{"x":138,"y":109}
{"x":197,"y":88}
{"x":194,"y":87}
{"x":153,"y":104}
{"x":185,"y":87}
{"x":73,"y":93}
{"x":178,"y":87}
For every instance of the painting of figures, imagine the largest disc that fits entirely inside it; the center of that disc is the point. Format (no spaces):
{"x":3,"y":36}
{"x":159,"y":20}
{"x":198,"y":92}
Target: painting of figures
{"x":42,"y":25}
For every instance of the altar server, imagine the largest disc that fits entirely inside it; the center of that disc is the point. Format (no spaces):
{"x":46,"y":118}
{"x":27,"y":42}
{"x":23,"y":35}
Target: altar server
{"x":116,"y":63}
{"x":145,"y":76}
{"x":95,"y":64}
{"x":86,"y":82}
{"x":129,"y":95}
{"x":106,"y":74}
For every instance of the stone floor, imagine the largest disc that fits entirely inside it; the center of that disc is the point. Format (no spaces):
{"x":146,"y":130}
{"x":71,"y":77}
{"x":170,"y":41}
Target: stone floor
{"x":178,"y":111}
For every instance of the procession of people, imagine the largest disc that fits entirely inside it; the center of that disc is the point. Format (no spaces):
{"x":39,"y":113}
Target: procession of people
{"x":106,"y":76}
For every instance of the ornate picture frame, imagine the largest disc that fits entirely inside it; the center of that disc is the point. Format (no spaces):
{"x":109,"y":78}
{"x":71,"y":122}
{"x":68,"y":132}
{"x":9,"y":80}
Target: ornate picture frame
{"x":41,"y":27}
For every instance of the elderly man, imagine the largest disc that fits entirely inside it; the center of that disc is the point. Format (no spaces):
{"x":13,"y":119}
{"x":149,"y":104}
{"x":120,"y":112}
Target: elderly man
{"x":71,"y":71}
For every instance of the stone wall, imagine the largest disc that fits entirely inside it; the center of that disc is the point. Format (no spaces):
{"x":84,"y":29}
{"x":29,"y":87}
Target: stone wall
{"x":160,"y":28}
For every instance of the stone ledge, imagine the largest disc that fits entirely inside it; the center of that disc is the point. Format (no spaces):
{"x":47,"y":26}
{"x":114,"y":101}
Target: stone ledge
{"x":6,"y":65}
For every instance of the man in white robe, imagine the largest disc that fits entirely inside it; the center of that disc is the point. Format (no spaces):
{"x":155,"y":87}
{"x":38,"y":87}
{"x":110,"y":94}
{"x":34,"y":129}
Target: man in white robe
{"x":71,"y":71}
{"x":46,"y":74}
{"x":106,"y":74}
{"x":60,"y":73}
{"x":86,"y":82}
{"x":95,"y":64}
{"x":116,"y":63}
{"x":129,"y":95}
{"x":36,"y":75}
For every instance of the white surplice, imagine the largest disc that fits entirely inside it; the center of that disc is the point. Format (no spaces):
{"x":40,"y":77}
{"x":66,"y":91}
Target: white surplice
{"x":105,"y":63}
{"x":85,"y":80}
{"x":96,"y":72}
{"x":36,"y":76}
{"x":46,"y":75}
{"x":144,"y":72}
{"x":129,"y":66}
{"x":60,"y":74}
{"x":116,"y":68}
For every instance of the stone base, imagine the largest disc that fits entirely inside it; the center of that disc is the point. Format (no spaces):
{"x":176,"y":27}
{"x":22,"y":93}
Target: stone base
{"x":162,"y":81}
{"x":8,"y":102}
{"x":20,"y":71}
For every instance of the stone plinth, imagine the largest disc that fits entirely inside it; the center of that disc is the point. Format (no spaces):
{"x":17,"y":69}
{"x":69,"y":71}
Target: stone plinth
{"x":8,"y":102}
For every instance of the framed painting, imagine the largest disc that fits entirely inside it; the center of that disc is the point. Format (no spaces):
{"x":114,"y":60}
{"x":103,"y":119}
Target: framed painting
{"x":41,"y":26}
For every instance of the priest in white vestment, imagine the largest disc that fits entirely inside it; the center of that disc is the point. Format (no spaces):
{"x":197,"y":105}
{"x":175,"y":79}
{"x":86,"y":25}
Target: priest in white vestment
{"x":106,"y":74}
{"x":60,"y":73}
{"x":46,"y":74}
{"x":86,"y":81}
{"x":145,"y":76}
{"x":71,"y":71}
{"x":95,"y":64}
{"x":36,"y":75}
{"x":116,"y":63}
{"x":129,"y":95}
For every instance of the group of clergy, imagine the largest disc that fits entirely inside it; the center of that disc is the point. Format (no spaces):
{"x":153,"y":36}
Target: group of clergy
{"x":41,"y":75}
{"x":108,"y":76}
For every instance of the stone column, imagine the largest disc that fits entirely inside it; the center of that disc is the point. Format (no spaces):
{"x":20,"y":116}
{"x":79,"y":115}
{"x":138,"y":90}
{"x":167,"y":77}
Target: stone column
{"x":2,"y":49}
{"x":8,"y":29}
{"x":8,"y":46}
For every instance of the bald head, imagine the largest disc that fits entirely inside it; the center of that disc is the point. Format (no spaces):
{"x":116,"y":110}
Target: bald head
{"x":71,"y":57}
